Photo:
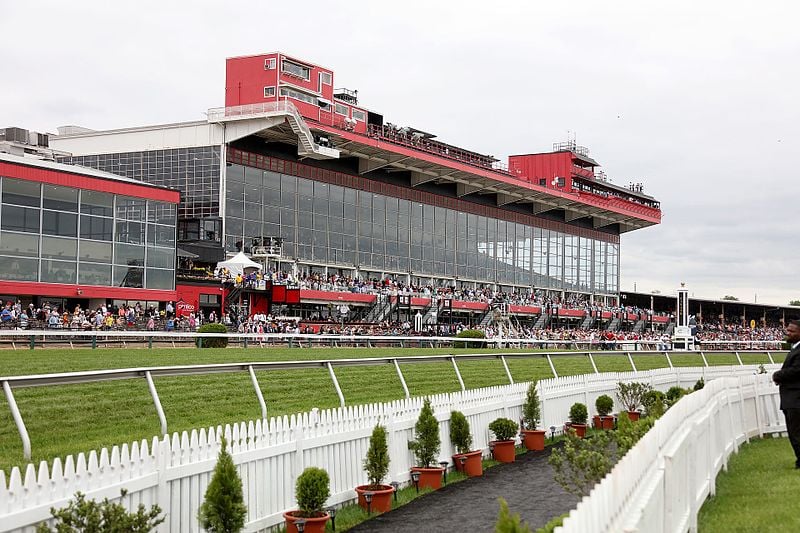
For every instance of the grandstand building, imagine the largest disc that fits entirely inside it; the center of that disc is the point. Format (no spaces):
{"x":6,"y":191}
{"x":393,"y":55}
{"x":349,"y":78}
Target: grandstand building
{"x":307,"y":178}
{"x":72,"y":235}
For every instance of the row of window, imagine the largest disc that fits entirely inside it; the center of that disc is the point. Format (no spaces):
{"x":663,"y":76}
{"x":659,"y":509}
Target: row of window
{"x":328,"y":223}
{"x":193,"y":171}
{"x":67,"y":272}
{"x":57,"y":234}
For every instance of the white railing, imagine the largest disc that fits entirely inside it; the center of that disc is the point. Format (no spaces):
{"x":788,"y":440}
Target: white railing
{"x":34,"y":337}
{"x":174,"y":471}
{"x":660,"y":485}
{"x":266,"y":109}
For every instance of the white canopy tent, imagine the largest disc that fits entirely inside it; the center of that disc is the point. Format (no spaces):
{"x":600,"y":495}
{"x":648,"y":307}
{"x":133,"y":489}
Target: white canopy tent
{"x":240,"y":264}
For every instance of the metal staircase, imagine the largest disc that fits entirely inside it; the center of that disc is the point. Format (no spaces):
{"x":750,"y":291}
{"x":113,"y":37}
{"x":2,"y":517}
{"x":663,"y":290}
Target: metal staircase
{"x":588,"y":322}
{"x":543,"y":322}
{"x":670,"y":328}
{"x":639,"y":326}
{"x":232,"y":296}
{"x":486,"y":319}
{"x":431,"y":314}
{"x":614,"y":324}
{"x":381,"y":309}
{"x":305,"y":138}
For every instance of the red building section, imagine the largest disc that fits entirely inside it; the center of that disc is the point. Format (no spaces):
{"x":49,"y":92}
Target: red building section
{"x":265,"y":78}
{"x":34,"y":170}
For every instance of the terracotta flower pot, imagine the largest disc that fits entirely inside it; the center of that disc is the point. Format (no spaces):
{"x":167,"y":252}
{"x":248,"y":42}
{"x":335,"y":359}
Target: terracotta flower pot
{"x":504,"y":451}
{"x":534,"y":439}
{"x":381,"y":498}
{"x":603,"y":422}
{"x":473,"y":466}
{"x":633,"y":415}
{"x":580,"y":429}
{"x":312,"y":525}
{"x":429,"y":477}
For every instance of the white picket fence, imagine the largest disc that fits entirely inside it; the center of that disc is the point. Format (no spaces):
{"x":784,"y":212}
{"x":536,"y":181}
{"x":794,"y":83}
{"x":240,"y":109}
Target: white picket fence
{"x":660,"y":485}
{"x":175,"y":470}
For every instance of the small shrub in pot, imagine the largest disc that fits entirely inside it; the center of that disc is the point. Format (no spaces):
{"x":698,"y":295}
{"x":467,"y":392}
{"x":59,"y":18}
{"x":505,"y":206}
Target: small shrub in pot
{"x":578,"y":414}
{"x":460,"y":435}
{"x":376,"y":464}
{"x":531,"y":409}
{"x":312,"y":491}
{"x":426,"y":445}
{"x":504,"y":429}
{"x":604,"y":405}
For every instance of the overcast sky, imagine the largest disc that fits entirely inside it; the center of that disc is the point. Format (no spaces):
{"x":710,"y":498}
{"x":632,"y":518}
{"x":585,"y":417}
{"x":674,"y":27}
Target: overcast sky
{"x":698,"y":103}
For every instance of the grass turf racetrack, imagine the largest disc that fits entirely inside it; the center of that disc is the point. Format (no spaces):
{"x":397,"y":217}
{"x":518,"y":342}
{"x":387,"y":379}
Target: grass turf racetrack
{"x":68,"y":419}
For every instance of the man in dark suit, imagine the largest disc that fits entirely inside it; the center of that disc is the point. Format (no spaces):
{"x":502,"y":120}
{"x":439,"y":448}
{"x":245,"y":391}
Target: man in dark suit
{"x":788,"y":379}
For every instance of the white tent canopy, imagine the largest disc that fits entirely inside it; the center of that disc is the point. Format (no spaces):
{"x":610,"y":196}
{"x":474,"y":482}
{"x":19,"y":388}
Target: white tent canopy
{"x":240,"y":264}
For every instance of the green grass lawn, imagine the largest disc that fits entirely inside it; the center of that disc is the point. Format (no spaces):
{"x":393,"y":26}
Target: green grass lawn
{"x":757,"y":493}
{"x":69,"y":419}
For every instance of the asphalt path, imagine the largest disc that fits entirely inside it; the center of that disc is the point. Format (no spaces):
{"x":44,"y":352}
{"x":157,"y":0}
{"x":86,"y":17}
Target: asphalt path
{"x":471,"y":505}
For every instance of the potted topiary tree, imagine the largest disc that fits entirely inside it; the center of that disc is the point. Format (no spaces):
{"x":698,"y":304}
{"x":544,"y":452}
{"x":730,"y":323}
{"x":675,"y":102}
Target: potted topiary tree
{"x":630,"y":395}
{"x":426,"y":447}
{"x":461,"y":438}
{"x":604,"y":405}
{"x":531,"y":415}
{"x":376,"y":465}
{"x":311,"y":493}
{"x":503,"y":447}
{"x":577,"y":418}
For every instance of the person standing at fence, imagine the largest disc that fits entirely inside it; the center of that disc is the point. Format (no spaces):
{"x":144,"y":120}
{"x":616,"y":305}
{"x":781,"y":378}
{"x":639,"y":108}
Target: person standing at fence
{"x":788,"y":379}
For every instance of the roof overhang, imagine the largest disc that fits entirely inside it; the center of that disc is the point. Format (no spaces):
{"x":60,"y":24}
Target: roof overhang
{"x":423,"y":167}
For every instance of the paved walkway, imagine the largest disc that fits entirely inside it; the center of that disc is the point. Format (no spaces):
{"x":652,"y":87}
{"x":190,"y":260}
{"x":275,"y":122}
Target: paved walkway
{"x":471,"y":505}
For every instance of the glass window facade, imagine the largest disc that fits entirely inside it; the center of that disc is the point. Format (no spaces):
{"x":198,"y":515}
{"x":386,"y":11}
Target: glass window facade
{"x":193,"y":171}
{"x":329,"y":224}
{"x":57,"y":234}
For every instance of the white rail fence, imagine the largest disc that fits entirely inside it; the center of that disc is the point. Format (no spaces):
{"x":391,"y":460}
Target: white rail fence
{"x":660,"y":485}
{"x":31,"y":339}
{"x":175,"y":470}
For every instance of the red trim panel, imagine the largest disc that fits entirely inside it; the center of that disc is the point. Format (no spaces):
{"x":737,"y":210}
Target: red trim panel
{"x":571,"y":312}
{"x":525,"y":309}
{"x":472,"y":306}
{"x":86,"y":291}
{"x":661,"y":319}
{"x":332,"y":296}
{"x":420,"y":302}
{"x":53,"y":177}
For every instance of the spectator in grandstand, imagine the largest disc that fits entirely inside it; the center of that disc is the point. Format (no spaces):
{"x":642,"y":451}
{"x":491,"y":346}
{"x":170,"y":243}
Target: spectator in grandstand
{"x":6,"y":316}
{"x":788,"y":381}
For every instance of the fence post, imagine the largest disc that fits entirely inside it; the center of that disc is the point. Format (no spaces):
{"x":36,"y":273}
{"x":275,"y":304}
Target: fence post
{"x":154,"y":393}
{"x":17,"y":416}
{"x":260,"y":396}
{"x":94,"y":342}
{"x":160,"y":455}
{"x":33,"y":341}
{"x":402,"y":378}
{"x":508,"y":372}
{"x":336,"y":384}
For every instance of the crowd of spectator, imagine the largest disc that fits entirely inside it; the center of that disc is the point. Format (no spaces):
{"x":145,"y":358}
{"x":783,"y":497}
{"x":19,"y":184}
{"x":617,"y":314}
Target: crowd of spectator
{"x":393,"y":286}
